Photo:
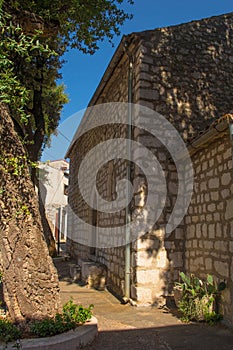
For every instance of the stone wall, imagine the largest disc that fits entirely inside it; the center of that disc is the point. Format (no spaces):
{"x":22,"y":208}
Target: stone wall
{"x":185,"y":73}
{"x":115,"y":90}
{"x":112,"y":258}
{"x":209,"y":221}
{"x":157,"y":257}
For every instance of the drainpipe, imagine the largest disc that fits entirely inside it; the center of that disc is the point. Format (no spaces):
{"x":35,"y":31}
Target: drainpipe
{"x":59,"y":229}
{"x":128,"y":175}
{"x":231,"y":135}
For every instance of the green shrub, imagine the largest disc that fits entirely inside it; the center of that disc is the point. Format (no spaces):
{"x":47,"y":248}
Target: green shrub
{"x":77,"y":313}
{"x":199,"y":298}
{"x":72,"y":315}
{"x":8,"y":331}
{"x":51,"y":326}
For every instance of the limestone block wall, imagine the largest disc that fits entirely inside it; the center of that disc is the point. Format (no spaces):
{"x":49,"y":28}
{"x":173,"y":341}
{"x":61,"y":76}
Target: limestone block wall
{"x":107,"y":178}
{"x":115,"y":90}
{"x":186,"y":72}
{"x":209,"y":221}
{"x":155,"y":267}
{"x":157,"y":257}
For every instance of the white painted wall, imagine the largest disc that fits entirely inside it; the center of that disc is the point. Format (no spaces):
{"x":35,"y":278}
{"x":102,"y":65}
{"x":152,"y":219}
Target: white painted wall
{"x":53,"y":179}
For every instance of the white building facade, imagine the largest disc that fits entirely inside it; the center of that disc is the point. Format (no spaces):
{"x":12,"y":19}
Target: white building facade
{"x":53,"y":176}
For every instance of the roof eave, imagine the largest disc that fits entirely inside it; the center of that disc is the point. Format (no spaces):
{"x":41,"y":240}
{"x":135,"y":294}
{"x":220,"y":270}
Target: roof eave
{"x":214,"y":132}
{"x":105,"y":78}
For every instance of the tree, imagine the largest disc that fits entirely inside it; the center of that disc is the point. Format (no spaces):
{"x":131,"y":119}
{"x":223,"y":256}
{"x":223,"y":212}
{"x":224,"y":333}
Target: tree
{"x":79,"y":24}
{"x":30,"y":281}
{"x":18,"y":50}
{"x":33,"y":37}
{"x":58,"y":26}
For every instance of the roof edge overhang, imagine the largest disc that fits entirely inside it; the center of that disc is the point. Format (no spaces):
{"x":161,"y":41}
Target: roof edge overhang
{"x":215,"y":131}
{"x":117,"y":56}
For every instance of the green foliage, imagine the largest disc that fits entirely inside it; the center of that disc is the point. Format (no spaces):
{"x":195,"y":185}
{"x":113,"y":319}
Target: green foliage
{"x":77,"y":313}
{"x":80,"y":24}
{"x":23,"y":210}
{"x":71,"y":316}
{"x":8,"y":331}
{"x":16,"y":165}
{"x":52,"y":326}
{"x":15,"y":46}
{"x":30,"y":59}
{"x":199,"y":298}
{"x":212,"y":318}
{"x":28,"y":74}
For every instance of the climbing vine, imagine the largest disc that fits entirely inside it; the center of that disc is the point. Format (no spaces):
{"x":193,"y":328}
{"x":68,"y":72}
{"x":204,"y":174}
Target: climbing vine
{"x":13,"y":45}
{"x":16,"y":165}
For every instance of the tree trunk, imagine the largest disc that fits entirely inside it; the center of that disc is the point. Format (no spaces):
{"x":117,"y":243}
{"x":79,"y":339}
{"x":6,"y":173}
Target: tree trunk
{"x":30,"y":281}
{"x":50,"y":241}
{"x":34,"y":149}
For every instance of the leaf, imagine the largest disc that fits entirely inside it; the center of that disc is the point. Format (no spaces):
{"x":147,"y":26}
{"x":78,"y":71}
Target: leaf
{"x":210,"y":279}
{"x":211,"y":289}
{"x":196,"y":282}
{"x":185,"y":278}
{"x":222,"y":286}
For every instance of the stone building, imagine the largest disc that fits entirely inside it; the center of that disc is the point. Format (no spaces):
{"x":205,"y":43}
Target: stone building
{"x":185,"y":73}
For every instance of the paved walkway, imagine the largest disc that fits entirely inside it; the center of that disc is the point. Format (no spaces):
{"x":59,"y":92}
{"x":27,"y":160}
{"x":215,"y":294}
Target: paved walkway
{"x":123,"y":327}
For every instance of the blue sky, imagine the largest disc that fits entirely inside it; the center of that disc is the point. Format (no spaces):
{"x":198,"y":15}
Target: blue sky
{"x":82,"y":73}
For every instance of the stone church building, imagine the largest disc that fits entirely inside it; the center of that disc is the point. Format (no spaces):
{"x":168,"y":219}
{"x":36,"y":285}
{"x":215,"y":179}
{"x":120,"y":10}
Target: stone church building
{"x":185,"y":73}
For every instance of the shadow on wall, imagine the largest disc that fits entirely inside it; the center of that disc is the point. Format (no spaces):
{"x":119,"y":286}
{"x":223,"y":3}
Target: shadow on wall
{"x":159,"y":262}
{"x":159,"y":256}
{"x":193,"y":77}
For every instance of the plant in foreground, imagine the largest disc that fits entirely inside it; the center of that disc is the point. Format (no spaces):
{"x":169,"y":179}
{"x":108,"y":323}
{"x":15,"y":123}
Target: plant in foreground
{"x":8,"y":331}
{"x":199,"y":298}
{"x":72,"y":315}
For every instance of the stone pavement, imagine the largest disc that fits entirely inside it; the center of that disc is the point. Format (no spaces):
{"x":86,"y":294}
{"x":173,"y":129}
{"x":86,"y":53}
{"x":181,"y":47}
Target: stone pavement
{"x":124,"y":327}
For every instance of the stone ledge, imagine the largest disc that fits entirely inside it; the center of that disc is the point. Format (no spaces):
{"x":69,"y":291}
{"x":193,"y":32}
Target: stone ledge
{"x":75,"y":272}
{"x":72,"y":340}
{"x":93,"y":274}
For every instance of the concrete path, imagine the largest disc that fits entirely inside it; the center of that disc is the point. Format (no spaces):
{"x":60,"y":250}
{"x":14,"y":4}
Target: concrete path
{"x":123,"y":327}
